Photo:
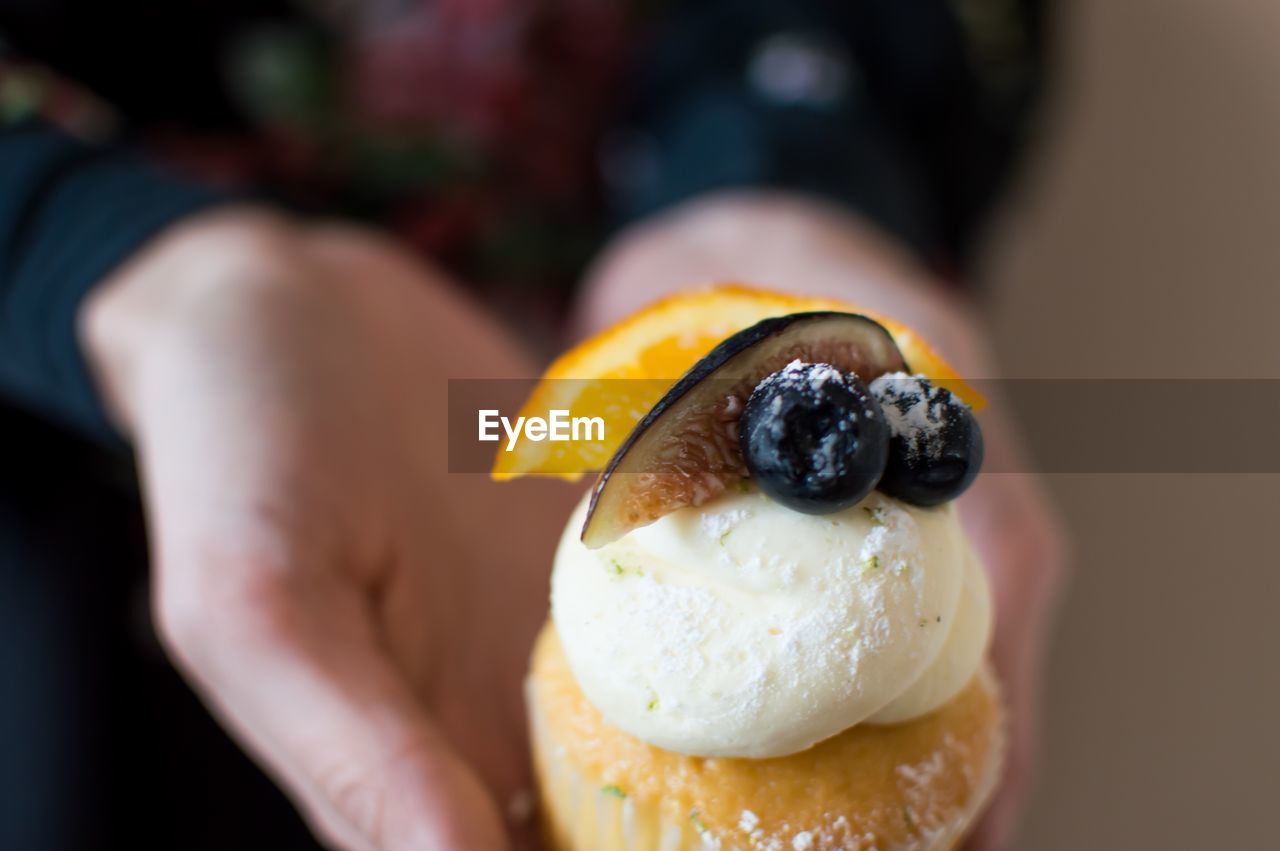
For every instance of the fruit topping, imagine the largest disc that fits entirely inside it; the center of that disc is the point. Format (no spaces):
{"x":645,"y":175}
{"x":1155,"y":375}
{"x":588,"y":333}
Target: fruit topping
{"x":935,"y":447}
{"x":814,"y":438}
{"x":621,"y":372}
{"x":686,"y":449}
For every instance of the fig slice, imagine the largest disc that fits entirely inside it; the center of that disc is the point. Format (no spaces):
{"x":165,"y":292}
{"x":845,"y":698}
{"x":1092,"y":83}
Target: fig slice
{"x":685,"y":451}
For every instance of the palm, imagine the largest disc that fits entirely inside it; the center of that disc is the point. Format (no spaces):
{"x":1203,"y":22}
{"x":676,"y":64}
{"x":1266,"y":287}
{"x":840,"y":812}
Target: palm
{"x":358,"y":616}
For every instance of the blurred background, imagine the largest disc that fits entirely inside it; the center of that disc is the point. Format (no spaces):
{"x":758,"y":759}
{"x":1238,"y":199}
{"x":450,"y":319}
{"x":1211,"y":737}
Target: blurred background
{"x":1139,"y":240}
{"x":1143,"y":244}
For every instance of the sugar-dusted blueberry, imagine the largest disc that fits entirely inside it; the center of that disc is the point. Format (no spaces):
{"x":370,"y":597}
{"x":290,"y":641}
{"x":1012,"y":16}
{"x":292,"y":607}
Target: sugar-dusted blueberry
{"x":935,"y":447}
{"x":687,"y":449}
{"x":814,"y":437}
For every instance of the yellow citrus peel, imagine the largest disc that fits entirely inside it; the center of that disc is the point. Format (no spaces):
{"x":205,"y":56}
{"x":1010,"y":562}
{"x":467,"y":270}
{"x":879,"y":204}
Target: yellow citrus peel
{"x":622,"y":372}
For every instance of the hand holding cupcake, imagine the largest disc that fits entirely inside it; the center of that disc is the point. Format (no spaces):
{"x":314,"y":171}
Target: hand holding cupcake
{"x":753,"y":646}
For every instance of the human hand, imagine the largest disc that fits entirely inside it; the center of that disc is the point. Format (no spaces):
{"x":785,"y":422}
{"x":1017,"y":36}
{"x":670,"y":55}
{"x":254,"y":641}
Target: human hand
{"x":357,"y":617}
{"x":788,"y":243}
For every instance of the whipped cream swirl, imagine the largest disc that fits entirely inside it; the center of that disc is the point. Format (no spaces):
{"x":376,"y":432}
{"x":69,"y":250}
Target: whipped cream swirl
{"x":743,"y":628}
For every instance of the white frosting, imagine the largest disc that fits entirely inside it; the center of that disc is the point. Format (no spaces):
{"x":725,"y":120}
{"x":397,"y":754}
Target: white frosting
{"x":743,"y":628}
{"x":961,"y":655}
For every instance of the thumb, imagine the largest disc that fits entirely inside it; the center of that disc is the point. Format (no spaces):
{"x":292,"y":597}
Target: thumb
{"x":304,"y":684}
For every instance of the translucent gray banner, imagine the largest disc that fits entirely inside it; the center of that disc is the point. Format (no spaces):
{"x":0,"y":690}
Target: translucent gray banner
{"x":1070,"y":425}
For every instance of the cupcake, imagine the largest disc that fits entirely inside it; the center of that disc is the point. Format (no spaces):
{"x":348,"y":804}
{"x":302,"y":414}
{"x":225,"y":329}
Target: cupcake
{"x":768,"y":630}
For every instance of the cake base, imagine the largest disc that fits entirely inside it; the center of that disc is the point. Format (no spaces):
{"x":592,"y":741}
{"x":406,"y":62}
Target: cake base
{"x":915,"y":785}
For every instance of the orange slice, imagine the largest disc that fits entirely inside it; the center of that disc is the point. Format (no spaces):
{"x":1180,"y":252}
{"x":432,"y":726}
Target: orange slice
{"x":622,"y":372}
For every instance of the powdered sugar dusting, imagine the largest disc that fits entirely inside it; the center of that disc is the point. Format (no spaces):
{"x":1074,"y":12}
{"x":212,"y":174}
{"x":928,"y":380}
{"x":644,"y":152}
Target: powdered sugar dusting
{"x":717,"y":525}
{"x":686,"y":614}
{"x":915,"y":411}
{"x":923,"y":774}
{"x":746,"y":629}
{"x":801,"y":375}
{"x":893,"y":539}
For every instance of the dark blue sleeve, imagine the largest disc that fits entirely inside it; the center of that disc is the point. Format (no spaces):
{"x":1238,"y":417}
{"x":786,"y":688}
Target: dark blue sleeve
{"x":69,"y":213}
{"x":903,"y":110}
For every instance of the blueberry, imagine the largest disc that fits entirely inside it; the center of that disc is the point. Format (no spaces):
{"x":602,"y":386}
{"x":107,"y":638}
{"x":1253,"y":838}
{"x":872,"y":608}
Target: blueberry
{"x":936,"y":445}
{"x":814,"y":438}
